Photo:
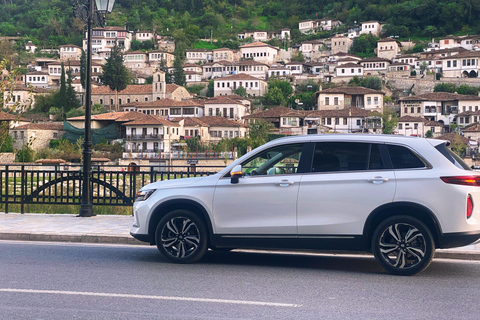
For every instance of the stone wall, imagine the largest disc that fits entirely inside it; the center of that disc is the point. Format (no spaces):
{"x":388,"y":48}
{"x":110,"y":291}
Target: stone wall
{"x":425,"y":84}
{"x":7,"y":157}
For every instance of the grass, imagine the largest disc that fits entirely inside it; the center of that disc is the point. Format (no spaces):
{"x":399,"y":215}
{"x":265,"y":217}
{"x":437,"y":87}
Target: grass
{"x":68,"y":209}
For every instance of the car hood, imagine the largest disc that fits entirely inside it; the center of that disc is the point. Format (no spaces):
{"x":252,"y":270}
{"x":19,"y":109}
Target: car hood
{"x":174,"y":183}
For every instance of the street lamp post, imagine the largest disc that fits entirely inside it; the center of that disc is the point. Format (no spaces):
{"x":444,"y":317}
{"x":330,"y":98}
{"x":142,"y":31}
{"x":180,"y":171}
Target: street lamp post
{"x":93,"y":13}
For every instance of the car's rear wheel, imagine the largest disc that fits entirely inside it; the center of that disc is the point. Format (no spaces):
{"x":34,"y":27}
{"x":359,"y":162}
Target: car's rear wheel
{"x":181,"y":237}
{"x":403,"y":245}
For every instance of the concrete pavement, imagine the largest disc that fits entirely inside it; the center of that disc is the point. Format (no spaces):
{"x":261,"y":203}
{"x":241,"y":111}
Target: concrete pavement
{"x":115,"y":229}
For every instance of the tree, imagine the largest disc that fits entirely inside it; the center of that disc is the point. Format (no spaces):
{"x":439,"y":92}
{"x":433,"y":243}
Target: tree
{"x":178,"y":74}
{"x":210,"y":88}
{"x":61,"y":95}
{"x":83,"y":70}
{"x":241,"y":91}
{"x":115,"y":73}
{"x":389,"y":120}
{"x":274,"y":97}
{"x":71,"y":96}
{"x":364,"y":45}
{"x":162,"y":65}
{"x":259,"y":131}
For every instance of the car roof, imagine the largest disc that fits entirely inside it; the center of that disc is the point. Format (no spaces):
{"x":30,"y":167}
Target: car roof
{"x":356,"y":137}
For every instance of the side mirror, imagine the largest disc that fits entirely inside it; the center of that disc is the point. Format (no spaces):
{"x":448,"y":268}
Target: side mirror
{"x":235,"y":174}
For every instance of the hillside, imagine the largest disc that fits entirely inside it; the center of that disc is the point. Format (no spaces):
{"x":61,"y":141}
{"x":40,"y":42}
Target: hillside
{"x":50,"y":22}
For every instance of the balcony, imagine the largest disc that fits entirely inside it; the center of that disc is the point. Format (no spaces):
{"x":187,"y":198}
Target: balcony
{"x":151,"y":136}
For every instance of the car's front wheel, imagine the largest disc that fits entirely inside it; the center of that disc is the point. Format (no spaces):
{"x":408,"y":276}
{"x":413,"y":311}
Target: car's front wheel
{"x":403,"y":245}
{"x":181,"y":237}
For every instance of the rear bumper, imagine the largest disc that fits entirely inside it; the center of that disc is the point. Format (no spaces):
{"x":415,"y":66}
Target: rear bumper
{"x":460,"y":239}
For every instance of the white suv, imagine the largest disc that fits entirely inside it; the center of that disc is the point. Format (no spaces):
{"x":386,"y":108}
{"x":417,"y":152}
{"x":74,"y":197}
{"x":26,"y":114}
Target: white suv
{"x":398,"y":197}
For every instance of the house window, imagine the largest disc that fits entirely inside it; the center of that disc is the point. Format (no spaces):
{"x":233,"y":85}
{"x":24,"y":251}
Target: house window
{"x":369,"y":101}
{"x":415,"y":126}
{"x":400,"y":126}
{"x":327,"y":101}
{"x":335,"y":101}
{"x":344,"y":121}
{"x":375,"y":100}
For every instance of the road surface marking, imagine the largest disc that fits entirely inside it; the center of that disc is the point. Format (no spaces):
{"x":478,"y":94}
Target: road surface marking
{"x":137,"y":296}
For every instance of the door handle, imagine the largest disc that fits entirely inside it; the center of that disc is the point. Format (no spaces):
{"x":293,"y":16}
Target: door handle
{"x":284,"y":183}
{"x":377,"y":180}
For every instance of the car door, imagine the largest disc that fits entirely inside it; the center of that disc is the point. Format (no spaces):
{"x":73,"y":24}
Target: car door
{"x":264,"y":200}
{"x":348,"y":180}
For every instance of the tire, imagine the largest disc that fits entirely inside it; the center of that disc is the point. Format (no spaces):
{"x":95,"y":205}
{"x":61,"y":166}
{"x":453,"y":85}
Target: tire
{"x":403,"y":245}
{"x":181,"y":237}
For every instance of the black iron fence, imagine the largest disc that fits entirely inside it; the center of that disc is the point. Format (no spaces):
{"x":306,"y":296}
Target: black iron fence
{"x":62,"y":184}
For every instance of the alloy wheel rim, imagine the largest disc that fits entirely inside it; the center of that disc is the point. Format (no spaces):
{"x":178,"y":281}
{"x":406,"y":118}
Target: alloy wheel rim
{"x":402,"y":246}
{"x":180,"y":237}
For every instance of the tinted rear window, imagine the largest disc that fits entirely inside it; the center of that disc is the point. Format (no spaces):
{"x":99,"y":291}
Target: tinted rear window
{"x":404,"y":158}
{"x":452,"y":156}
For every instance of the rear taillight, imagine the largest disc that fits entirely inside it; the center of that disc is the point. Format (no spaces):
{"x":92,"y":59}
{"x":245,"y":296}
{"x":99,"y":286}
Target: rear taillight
{"x":469,"y":206}
{"x":463,"y":180}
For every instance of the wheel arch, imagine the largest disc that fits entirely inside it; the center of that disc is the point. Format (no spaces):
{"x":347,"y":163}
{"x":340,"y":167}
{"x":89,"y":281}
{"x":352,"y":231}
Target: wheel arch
{"x":411,"y":209}
{"x":178,"y":204}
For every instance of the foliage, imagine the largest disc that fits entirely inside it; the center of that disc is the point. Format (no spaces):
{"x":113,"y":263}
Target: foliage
{"x":6,"y":144}
{"x":50,"y":21}
{"x":364,"y":45}
{"x":197,"y":89}
{"x":274,"y":97}
{"x":241,"y":91}
{"x":259,"y":131}
{"x":60,"y":101}
{"x":44,"y":102}
{"x":115,"y":73}
{"x":371,"y":82}
{"x":71,"y":96}
{"x":210,"y":88}
{"x":453,"y":88}
{"x":178,"y":73}
{"x":389,"y":120}
{"x":142,"y":45}
{"x":26,"y":154}
{"x":162,"y":66}
{"x":298,"y":56}
{"x":75,"y":113}
{"x":83,"y":70}
{"x":6,"y":99}
{"x":458,"y":146}
{"x":429,"y":134}
{"x":53,"y":144}
{"x":97,"y":108}
{"x":305,"y":86}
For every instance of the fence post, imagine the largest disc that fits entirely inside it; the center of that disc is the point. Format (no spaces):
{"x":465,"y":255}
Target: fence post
{"x":22,"y":191}
{"x":6,"y":189}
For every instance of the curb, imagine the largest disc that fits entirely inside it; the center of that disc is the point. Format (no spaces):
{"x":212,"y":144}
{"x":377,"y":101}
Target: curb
{"x":128,"y":240}
{"x":80,"y":238}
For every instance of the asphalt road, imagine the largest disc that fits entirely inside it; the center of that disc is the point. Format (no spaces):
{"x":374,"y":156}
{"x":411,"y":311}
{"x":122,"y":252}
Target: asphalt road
{"x":78,"y":281}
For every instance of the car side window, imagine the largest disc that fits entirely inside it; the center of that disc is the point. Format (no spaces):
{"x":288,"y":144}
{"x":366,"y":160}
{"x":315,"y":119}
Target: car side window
{"x":404,"y":158}
{"x":346,"y":156}
{"x":277,"y":160}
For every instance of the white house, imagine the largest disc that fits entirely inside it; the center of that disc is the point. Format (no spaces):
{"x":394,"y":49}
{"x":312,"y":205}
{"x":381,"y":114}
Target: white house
{"x":199,"y":55}
{"x":350,"y":97}
{"x":349,"y":70}
{"x":228,"y":107}
{"x":37,"y":79}
{"x":259,"y":51}
{"x":462,"y":65}
{"x":255,"y":87}
{"x":371,"y":27}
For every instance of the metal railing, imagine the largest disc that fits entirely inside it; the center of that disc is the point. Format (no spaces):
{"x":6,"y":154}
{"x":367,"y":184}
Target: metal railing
{"x":62,"y":184}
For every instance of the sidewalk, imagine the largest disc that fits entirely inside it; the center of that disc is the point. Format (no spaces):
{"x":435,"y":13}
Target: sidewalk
{"x":115,"y":229}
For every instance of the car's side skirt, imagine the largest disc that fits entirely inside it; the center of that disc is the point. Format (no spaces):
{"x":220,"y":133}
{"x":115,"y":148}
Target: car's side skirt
{"x":315,"y":242}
